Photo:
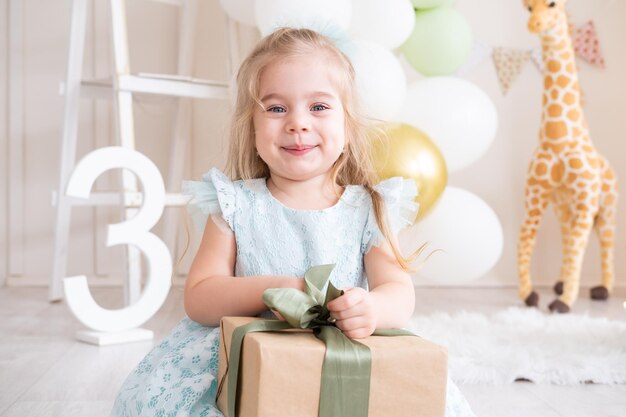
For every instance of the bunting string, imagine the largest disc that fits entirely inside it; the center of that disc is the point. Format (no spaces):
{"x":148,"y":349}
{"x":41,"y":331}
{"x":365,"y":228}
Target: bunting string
{"x":510,"y":62}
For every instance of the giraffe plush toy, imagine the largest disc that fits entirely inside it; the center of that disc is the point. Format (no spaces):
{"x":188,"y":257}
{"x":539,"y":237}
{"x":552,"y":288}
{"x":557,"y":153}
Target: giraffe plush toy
{"x":566,"y":170}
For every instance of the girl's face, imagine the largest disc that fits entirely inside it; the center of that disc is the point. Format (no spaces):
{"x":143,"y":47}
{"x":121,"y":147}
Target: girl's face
{"x":300,"y":130}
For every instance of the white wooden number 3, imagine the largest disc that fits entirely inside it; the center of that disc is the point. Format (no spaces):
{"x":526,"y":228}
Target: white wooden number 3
{"x":135,"y":231}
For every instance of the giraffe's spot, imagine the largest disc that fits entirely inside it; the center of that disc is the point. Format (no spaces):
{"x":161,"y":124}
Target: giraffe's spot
{"x":545,"y":156}
{"x":565,"y":55}
{"x":554,"y":94}
{"x":586,"y":148}
{"x":594,"y":186}
{"x":547,"y":82}
{"x":558,"y":147}
{"x":541,"y":169}
{"x":561,"y":44}
{"x":571,"y":177}
{"x":556,"y":173}
{"x":569,"y":98}
{"x":554,"y":66}
{"x":571,"y":68}
{"x":593,"y":162}
{"x":562,"y":81}
{"x":588,"y":175}
{"x":594,"y":201}
{"x":555,"y":110}
{"x":583,"y":195}
{"x":575,"y":163}
{"x":609,"y":199}
{"x":573,"y":115}
{"x":556,"y":130}
{"x":609,"y":175}
{"x":580,"y":184}
{"x":541,"y":184}
{"x":535,"y":212}
{"x":550,"y":39}
{"x":534,"y":201}
{"x":607,"y":234}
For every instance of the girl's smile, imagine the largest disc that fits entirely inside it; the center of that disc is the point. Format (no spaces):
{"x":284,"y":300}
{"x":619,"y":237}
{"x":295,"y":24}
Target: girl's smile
{"x":299,"y":150}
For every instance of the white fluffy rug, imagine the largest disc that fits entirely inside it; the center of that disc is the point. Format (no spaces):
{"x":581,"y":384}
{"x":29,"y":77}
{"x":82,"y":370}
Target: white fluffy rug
{"x":527,"y":343}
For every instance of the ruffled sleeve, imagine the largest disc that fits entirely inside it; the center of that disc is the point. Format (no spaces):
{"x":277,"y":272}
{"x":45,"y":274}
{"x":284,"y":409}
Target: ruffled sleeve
{"x":213,"y":196}
{"x":399,"y":198}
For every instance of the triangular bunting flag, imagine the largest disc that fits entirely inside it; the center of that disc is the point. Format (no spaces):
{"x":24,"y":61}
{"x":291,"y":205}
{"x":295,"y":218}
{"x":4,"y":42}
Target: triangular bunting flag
{"x":509,"y":63}
{"x":536,"y":56}
{"x":587,"y":45}
{"x":480,"y":52}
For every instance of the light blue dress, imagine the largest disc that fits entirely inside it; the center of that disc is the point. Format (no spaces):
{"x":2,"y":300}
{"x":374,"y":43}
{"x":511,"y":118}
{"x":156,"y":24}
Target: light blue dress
{"x":179,"y":376}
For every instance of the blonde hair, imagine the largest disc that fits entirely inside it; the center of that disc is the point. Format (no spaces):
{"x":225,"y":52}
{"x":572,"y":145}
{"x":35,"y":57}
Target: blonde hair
{"x":353,"y":167}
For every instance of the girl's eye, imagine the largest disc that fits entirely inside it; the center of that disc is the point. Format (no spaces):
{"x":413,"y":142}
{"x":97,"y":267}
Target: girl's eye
{"x":552,"y":4}
{"x":276,"y":109}
{"x":530,"y":8}
{"x":319,"y":107}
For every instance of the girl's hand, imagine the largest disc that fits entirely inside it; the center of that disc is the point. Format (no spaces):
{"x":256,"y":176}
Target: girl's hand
{"x":354,"y":312}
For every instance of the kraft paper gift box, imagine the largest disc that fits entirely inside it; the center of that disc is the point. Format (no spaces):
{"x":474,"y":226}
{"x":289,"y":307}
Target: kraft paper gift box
{"x":280,"y":374}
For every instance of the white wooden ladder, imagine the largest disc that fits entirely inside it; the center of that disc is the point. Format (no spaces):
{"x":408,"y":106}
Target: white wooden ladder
{"x":121,"y":87}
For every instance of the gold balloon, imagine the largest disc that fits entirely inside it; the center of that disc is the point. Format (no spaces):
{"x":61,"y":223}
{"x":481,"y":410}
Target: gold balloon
{"x":407,"y":152}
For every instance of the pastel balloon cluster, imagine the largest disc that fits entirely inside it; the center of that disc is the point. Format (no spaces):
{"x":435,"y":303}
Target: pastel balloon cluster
{"x":374,"y":27}
{"x":433,"y":126}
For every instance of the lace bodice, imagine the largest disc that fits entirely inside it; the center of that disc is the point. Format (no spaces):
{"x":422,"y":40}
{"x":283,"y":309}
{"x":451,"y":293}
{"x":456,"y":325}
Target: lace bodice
{"x":273,"y":239}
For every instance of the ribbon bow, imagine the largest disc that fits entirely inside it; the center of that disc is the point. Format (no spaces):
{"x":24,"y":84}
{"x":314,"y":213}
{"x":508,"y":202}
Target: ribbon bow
{"x":345,"y":385}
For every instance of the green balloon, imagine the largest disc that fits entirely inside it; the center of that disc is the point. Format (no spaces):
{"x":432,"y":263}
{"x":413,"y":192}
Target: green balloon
{"x":440,"y":43}
{"x":431,"y":4}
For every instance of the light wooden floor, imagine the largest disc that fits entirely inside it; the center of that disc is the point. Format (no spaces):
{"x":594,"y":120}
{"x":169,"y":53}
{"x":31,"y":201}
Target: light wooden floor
{"x":44,"y":372}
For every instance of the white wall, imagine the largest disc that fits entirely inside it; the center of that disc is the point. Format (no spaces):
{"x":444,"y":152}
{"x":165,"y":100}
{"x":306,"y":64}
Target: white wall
{"x":498,"y":177}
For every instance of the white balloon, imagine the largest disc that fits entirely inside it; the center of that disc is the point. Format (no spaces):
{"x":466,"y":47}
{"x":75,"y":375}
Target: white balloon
{"x":317,"y":15}
{"x":458,"y":116}
{"x":466,"y":230}
{"x":380,"y":79}
{"x":388,"y":22}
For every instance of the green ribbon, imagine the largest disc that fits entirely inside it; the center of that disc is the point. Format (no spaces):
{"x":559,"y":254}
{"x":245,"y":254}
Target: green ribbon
{"x":345,"y":384}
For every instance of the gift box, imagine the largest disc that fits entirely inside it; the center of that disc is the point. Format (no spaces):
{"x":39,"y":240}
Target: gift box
{"x":279,"y":374}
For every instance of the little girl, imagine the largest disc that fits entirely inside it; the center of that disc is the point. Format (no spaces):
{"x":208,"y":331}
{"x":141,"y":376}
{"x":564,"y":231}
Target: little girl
{"x":303,"y":195}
